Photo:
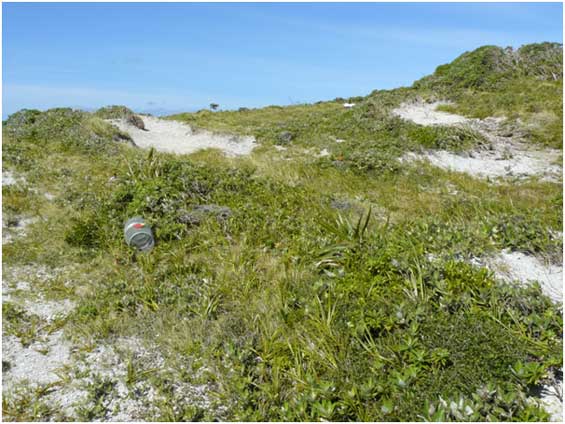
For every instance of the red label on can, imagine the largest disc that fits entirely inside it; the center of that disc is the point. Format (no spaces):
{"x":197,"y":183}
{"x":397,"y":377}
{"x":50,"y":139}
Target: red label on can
{"x":138,"y":225}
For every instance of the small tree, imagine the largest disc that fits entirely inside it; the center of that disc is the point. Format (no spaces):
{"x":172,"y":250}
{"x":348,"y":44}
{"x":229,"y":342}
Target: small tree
{"x":214,"y":106}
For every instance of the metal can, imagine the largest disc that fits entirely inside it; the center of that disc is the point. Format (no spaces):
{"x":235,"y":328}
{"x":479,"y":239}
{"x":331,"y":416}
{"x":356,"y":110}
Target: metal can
{"x":138,"y":234}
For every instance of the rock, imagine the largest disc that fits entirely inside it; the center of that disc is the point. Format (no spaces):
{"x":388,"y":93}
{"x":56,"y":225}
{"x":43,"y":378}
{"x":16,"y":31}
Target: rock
{"x":284,"y":137}
{"x":12,"y":222}
{"x":221,"y":212}
{"x":341,"y":205}
{"x":200,"y":212}
{"x":136,"y":121}
{"x":190,"y":219}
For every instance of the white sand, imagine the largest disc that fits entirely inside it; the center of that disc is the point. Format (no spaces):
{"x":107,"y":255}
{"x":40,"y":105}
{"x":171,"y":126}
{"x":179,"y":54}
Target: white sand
{"x":74,"y":368}
{"x":493,"y":164}
{"x":507,"y":156}
{"x":551,"y":400}
{"x":9,"y":234}
{"x":38,"y":363}
{"x":8,"y":178}
{"x":426,"y":114}
{"x":176,"y":137}
{"x":516,"y":266}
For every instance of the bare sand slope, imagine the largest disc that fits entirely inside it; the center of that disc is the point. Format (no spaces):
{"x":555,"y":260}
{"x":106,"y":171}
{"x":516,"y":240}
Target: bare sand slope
{"x":494,"y":164}
{"x":426,"y":114}
{"x":176,"y":137}
{"x":506,"y":156}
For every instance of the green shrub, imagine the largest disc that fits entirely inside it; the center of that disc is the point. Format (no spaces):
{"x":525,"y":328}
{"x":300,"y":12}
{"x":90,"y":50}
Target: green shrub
{"x":113,"y":112}
{"x":488,"y":66}
{"x":63,"y":129}
{"x":84,"y":232}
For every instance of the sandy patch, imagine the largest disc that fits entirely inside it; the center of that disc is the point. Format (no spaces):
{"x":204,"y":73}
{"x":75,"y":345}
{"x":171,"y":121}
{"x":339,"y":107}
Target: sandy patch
{"x":426,"y":114}
{"x":8,"y":178}
{"x":49,"y":310}
{"x":516,"y":266}
{"x":26,"y":278}
{"x":36,"y":364}
{"x":75,"y":371}
{"x":493,"y":164}
{"x":10,"y":233}
{"x":505,"y":155}
{"x":122,"y":365}
{"x":127,"y":400}
{"x":551,"y":399}
{"x":176,"y":137}
{"x":41,"y":273}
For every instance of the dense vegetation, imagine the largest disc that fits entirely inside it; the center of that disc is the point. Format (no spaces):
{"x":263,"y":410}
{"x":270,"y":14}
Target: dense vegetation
{"x":522,"y":83}
{"x":333,"y":288}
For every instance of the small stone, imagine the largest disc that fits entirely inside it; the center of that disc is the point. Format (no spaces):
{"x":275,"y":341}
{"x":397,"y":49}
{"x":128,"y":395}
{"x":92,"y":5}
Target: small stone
{"x":342,"y":205}
{"x":222,"y":212}
{"x":189,"y":219}
{"x":137,"y":122}
{"x":324,"y":153}
{"x":199,"y":213}
{"x":284,"y":137}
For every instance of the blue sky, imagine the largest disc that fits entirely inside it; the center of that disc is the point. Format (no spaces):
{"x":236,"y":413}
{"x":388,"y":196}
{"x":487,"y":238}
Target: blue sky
{"x":167,"y":57}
